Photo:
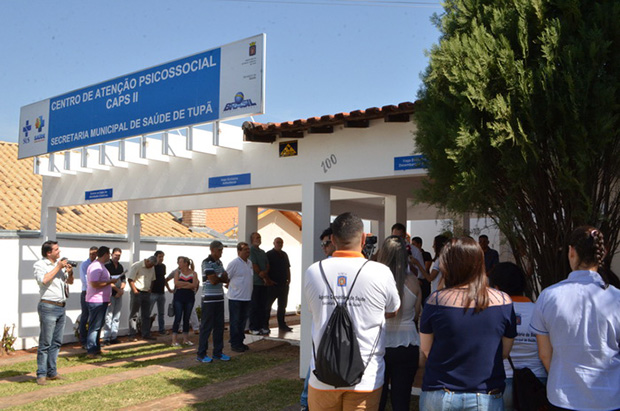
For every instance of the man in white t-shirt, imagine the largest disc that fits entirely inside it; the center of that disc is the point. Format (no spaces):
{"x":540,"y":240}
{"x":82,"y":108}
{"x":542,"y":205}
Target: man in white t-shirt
{"x":373,"y":298}
{"x":240,"y":285}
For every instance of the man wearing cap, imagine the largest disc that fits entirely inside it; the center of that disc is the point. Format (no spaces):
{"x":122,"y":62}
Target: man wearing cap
{"x":213,"y":277}
{"x":52,"y":275}
{"x":140,"y":277}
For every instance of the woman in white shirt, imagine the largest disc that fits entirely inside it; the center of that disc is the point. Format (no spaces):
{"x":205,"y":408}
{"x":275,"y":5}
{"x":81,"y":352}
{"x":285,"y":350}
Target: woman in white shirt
{"x":402,"y":342}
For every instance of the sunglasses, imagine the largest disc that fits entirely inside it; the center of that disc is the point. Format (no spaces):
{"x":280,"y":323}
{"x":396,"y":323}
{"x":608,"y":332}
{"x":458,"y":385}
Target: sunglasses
{"x":325,"y":243}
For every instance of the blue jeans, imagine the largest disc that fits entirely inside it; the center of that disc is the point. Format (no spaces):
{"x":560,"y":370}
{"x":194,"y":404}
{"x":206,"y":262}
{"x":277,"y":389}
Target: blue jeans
{"x":52,"y":323}
{"x":182,"y":309}
{"x":303,"y":400}
{"x":112,"y":319}
{"x":83,"y":318}
{"x":96,"y":315}
{"x":467,"y":401}
{"x":238,"y":312}
{"x":160,"y":299}
{"x":212,"y":320}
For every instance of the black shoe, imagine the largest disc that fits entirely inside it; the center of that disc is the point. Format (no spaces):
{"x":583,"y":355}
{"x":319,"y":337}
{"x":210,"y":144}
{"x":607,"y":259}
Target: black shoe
{"x":115,"y":341}
{"x":149,"y":338}
{"x":104,"y":343}
{"x":237,"y":349}
{"x":245,"y":347}
{"x":286,"y":328}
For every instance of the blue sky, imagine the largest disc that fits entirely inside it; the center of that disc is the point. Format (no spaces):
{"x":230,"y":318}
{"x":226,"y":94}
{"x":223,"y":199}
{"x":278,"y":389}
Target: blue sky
{"x":323,"y":56}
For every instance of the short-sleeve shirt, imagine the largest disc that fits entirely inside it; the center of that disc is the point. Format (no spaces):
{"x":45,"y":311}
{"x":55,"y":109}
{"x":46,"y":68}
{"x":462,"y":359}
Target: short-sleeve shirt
{"x":466,"y":353}
{"x":278,"y":266}
{"x":97,"y":272}
{"x":83,"y":269}
{"x":159,"y":283}
{"x":141,"y":276}
{"x":258,"y":257}
{"x":241,"y":282}
{"x":373,"y":295}
{"x":55,"y":290}
{"x":211,"y":293}
{"x":582,"y":319}
{"x":116,"y":270}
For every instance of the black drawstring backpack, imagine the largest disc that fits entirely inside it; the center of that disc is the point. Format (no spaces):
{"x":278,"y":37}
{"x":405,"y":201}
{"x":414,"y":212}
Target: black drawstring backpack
{"x":338,"y":361}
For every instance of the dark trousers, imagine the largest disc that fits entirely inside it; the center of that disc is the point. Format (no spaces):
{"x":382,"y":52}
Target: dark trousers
{"x":182,"y":308}
{"x":212,"y":320}
{"x":83,"y":318}
{"x":140,"y":302}
{"x":238,"y":312}
{"x":425,"y":286}
{"x":260,"y":297}
{"x":401,"y":364}
{"x":280,"y":293}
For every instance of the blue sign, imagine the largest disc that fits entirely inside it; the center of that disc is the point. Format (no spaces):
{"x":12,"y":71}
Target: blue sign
{"x":98,"y":194}
{"x":230,"y":181}
{"x":226,"y":82}
{"x":410,"y":162}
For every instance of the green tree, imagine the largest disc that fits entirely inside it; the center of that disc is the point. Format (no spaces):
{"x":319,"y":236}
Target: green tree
{"x":519,"y":116}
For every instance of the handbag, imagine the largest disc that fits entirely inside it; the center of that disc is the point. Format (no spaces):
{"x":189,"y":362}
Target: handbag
{"x":170,"y":310}
{"x":528,"y":392}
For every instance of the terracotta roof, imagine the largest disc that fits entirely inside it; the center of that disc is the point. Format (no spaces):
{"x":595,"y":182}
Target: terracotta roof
{"x":20,"y":206}
{"x":222,"y":219}
{"x":267,"y":133}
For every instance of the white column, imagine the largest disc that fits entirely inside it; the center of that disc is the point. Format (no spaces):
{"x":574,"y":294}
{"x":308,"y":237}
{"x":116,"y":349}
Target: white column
{"x":48,"y":222}
{"x":395,"y":211}
{"x":248,"y":223}
{"x":315,"y":207}
{"x":134,"y":224}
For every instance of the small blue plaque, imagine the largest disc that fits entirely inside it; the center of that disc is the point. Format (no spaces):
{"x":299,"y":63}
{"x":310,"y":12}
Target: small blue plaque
{"x":99,"y":194}
{"x":418,"y":161}
{"x":230,"y":181}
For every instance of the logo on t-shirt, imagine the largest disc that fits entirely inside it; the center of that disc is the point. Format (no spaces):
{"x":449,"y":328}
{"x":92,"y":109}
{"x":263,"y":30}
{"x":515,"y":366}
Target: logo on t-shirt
{"x":518,"y":319}
{"x":342,"y":281}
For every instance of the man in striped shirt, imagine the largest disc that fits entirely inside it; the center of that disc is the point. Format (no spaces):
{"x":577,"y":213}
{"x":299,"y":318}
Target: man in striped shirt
{"x":213,"y":277}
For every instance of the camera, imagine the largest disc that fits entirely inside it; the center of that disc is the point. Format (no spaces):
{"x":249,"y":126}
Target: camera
{"x":72,"y":263}
{"x":369,"y":245}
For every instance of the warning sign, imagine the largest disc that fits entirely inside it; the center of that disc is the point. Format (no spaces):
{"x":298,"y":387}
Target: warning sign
{"x":288,"y":148}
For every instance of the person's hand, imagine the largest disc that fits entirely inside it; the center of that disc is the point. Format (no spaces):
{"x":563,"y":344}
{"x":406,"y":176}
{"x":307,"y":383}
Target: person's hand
{"x":119,"y":293}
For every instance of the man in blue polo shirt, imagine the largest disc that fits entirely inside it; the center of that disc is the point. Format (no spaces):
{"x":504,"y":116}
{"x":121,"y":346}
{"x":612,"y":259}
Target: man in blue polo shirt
{"x":213,"y":277}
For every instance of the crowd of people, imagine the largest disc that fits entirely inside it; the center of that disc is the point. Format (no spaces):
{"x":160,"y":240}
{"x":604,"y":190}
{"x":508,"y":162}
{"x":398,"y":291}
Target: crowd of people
{"x":255,"y":280}
{"x":460,"y":314}
{"x":466,"y":313}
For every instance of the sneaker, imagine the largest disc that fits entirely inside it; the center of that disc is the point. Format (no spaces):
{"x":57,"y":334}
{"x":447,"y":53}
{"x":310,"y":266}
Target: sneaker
{"x":41,"y":380}
{"x":188,"y":342}
{"x":206,"y":359}
{"x":237,"y":349}
{"x":264,"y":331}
{"x":255,"y":332}
{"x":175,"y":344}
{"x":222,"y":357}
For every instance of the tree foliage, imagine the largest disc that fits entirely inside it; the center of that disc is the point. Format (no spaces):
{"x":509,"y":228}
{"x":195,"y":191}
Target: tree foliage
{"x":519,"y":116}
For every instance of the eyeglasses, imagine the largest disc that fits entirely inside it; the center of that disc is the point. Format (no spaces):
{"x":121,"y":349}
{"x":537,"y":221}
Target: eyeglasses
{"x":325,"y":243}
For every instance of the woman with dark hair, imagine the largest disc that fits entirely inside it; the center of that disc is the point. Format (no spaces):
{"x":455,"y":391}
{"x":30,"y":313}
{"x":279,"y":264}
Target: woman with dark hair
{"x":509,"y":278}
{"x":402,"y":342}
{"x":185,"y":286}
{"x":577,"y":327}
{"x":435,"y":277}
{"x":466,"y":330}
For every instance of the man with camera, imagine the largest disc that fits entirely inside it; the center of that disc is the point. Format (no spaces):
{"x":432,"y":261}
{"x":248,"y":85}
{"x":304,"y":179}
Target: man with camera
{"x":52,"y":275}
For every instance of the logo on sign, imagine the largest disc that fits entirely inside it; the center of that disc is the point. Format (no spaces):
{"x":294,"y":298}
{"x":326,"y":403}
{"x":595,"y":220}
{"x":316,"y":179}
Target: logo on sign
{"x":252,"y":48}
{"x":39,"y":123}
{"x":239,"y":102}
{"x":342,"y":281}
{"x":27,"y":127}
